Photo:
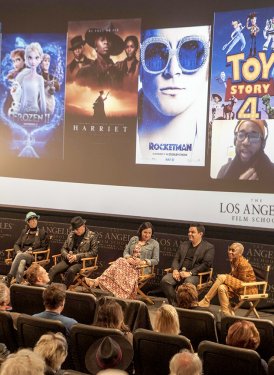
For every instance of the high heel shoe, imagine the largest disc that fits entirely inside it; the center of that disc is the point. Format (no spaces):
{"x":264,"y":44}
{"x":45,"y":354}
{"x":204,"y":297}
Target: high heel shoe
{"x":92,"y":283}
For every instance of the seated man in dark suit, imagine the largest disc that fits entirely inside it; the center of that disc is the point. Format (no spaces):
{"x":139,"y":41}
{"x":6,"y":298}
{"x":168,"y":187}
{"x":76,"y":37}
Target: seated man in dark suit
{"x":192,"y":257}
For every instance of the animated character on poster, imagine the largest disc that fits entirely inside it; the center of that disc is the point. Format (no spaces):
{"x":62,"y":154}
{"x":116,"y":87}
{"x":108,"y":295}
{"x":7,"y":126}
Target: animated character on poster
{"x":173,"y":96}
{"x":29,"y":103}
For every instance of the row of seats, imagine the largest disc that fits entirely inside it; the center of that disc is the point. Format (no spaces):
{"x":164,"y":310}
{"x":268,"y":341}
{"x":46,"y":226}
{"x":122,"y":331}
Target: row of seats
{"x":152,"y":350}
{"x":197,"y":325}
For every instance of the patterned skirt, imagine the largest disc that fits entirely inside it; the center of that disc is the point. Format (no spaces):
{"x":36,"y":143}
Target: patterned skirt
{"x":121,"y":278}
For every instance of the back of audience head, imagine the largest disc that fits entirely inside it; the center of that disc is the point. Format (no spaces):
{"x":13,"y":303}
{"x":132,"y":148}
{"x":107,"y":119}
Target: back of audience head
{"x":166,"y":320}
{"x":24,"y":362}
{"x":54,"y":297}
{"x":185,"y":363}
{"x":110,"y":315}
{"x":36,"y":274}
{"x":243,"y":334}
{"x":187,"y":296}
{"x":4,"y":296}
{"x":53,"y":348}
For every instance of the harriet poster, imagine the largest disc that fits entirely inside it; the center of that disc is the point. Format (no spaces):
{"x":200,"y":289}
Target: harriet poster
{"x":32,"y":95}
{"x":172,"y":113}
{"x":101,"y":83}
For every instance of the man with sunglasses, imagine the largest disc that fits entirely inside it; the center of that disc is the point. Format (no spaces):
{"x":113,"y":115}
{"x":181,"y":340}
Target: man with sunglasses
{"x":250,"y":161}
{"x":173,"y":98}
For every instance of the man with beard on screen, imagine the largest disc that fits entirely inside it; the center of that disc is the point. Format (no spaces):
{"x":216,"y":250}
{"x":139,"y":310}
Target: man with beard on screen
{"x":250,"y":161}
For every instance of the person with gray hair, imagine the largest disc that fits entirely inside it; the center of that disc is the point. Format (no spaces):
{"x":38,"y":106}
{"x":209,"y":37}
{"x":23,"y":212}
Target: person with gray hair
{"x":24,"y":362}
{"x":230,"y":285}
{"x":185,"y":363}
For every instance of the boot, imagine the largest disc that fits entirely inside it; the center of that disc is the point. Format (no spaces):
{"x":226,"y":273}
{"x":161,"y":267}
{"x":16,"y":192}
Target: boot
{"x":8,"y":279}
{"x":205,"y":302}
{"x":224,"y":301}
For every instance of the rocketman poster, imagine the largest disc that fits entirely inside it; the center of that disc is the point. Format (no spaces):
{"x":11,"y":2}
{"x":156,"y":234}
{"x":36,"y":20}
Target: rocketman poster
{"x":242,"y":88}
{"x":32,"y":95}
{"x":172,"y":112}
{"x":101,"y":86}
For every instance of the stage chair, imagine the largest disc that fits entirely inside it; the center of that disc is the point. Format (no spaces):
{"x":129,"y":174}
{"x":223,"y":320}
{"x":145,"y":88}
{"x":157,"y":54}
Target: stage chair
{"x":8,"y":334}
{"x":82,"y":337}
{"x":143,"y":279}
{"x":226,"y":360}
{"x":154,"y":350}
{"x":136,"y":313}
{"x":205,"y":279}
{"x":265,"y":328}
{"x":254,"y":299}
{"x":197,"y":325}
{"x":89,"y":265}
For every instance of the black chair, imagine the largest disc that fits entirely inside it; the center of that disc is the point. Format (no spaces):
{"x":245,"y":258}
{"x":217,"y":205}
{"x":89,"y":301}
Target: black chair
{"x":227,"y":360}
{"x":271,"y":366}
{"x":153,"y":351}
{"x":31,"y":328}
{"x":82,"y":336}
{"x":26,"y":299}
{"x":265,"y":328}
{"x":80,"y":306}
{"x":136,"y":313}
{"x":197,"y":325}
{"x":8,"y":334}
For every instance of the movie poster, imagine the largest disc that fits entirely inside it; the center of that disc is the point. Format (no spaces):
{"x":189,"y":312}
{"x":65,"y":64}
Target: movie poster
{"x":241,"y":102}
{"x":32,"y":95}
{"x":101,"y":85}
{"x":173,"y":90}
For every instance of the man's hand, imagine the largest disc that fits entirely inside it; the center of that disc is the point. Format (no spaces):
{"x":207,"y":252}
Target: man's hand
{"x":185,"y":274}
{"x":250,"y":174}
{"x":176,"y":275}
{"x":71,"y":258}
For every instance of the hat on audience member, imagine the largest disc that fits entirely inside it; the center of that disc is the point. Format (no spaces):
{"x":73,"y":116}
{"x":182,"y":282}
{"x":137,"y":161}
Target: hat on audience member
{"x":31,"y":215}
{"x":113,"y":351}
{"x":76,"y":222}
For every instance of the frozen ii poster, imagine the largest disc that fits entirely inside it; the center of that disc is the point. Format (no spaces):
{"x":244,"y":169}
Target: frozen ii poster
{"x":32,"y":95}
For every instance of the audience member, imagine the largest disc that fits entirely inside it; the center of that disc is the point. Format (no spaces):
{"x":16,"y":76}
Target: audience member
{"x":193,"y":256}
{"x":167,"y":320}
{"x":24,"y":362}
{"x":109,"y":352}
{"x":54,"y":301}
{"x":187,"y":296}
{"x":80,"y":243}
{"x":185,"y":363}
{"x":4,"y":297}
{"x":230,"y":285}
{"x":36,"y":275}
{"x":31,"y":238}
{"x":53,"y":348}
{"x":110,"y":315}
{"x":244,"y":334}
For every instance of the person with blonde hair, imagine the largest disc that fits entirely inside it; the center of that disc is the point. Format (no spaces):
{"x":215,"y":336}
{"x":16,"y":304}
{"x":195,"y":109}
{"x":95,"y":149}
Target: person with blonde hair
{"x":244,"y":334}
{"x":230,"y":285}
{"x":4,"y":297}
{"x":24,"y":362}
{"x":53,"y":348}
{"x":187,"y":296}
{"x":185,"y":363}
{"x":167,"y":320}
